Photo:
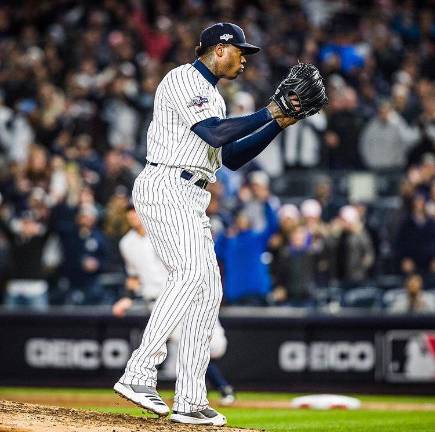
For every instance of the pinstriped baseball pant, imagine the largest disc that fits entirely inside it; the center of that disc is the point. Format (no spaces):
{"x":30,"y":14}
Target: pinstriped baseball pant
{"x":172,"y":210}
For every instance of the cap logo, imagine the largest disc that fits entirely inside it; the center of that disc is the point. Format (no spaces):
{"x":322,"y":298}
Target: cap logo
{"x":226,"y":37}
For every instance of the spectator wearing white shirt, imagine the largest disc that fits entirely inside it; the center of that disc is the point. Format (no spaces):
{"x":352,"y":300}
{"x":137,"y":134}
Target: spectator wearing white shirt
{"x":146,"y":274}
{"x":414,"y":299}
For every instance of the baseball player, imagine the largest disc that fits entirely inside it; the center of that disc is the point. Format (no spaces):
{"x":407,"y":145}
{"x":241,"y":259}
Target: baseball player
{"x":146,"y":278}
{"x":188,"y":140}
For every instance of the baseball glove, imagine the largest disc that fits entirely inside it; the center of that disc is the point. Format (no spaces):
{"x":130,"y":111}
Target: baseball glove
{"x":304,"y":81}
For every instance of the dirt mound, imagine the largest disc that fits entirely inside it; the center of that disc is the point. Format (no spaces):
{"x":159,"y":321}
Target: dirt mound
{"x":24,"y":417}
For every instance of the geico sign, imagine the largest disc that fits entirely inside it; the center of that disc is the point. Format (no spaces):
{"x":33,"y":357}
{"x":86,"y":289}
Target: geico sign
{"x":326,"y":356}
{"x":76,"y":354}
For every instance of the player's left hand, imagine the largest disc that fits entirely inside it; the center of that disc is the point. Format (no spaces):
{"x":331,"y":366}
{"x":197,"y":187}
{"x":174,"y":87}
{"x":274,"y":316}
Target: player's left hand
{"x":277,"y":112}
{"x":306,"y":84}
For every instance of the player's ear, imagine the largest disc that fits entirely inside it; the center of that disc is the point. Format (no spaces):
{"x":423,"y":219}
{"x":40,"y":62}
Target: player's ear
{"x":219,"y":50}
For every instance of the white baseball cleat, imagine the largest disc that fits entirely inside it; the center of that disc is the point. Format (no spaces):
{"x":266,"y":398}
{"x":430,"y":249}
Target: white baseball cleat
{"x":144,"y":396}
{"x":228,"y":396}
{"x":207,"y":416}
{"x":227,"y":400}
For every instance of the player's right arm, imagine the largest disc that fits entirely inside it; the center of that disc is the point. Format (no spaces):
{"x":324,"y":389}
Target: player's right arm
{"x":238,"y":153}
{"x":198,"y":108}
{"x":219,"y":132}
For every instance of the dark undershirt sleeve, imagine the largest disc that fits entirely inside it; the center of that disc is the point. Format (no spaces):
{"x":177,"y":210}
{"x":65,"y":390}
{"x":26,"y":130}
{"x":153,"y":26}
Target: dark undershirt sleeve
{"x":219,"y":132}
{"x":237,"y":153}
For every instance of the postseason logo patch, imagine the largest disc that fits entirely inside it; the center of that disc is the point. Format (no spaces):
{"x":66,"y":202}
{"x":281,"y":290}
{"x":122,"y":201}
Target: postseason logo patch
{"x":198,"y":102}
{"x":226,"y":37}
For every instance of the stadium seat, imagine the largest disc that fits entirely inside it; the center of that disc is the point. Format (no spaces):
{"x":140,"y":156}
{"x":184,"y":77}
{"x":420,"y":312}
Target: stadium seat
{"x":362,"y":298}
{"x":113,"y":284}
{"x":388,"y":282}
{"x":324,"y":295}
{"x":391,"y":295}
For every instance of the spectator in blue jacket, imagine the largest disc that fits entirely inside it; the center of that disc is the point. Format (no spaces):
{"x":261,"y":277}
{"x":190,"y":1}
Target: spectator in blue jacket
{"x":84,"y":257}
{"x":241,"y":252}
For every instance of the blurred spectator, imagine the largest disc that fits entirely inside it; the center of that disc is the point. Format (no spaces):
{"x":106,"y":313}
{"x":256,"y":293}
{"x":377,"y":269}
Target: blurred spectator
{"x":254,"y":195}
{"x":16,"y":133}
{"x":428,"y":51}
{"x":288,"y":219}
{"x":340,"y":54}
{"x":114,"y":173}
{"x":146,"y":274}
{"x":415,"y":239}
{"x":27,"y":235}
{"x":293,"y":270}
{"x":122,"y":119}
{"x":426,"y":124}
{"x":403,"y":104}
{"x":386,"y":140}
{"x":84,"y":249}
{"x":87,"y":158}
{"x":328,"y":200}
{"x":74,"y":119}
{"x":414,"y":300}
{"x":51,"y":105}
{"x":320,"y":242}
{"x":430,"y":204}
{"x":303,"y":142}
{"x":217,"y":211}
{"x":115,"y":226}
{"x":345,"y":122}
{"x":354,"y":250}
{"x":241,"y":252}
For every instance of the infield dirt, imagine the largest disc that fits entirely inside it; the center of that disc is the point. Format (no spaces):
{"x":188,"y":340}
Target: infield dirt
{"x":24,"y":417}
{"x":56,"y":413}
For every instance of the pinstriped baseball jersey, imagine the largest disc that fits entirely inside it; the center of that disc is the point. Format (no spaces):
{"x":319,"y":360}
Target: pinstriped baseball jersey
{"x":183,"y":98}
{"x":173,"y":211}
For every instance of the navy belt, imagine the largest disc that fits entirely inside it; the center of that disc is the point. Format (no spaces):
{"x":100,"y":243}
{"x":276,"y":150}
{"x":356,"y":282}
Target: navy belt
{"x":187,"y":175}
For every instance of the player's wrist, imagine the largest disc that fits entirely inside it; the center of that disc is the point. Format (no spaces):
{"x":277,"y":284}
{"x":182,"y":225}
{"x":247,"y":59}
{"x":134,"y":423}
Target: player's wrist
{"x":285,"y":122}
{"x":274,"y":110}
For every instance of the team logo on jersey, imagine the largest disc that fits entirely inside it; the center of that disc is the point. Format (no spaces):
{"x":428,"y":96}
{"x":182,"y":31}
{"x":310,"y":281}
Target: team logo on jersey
{"x":226,"y":37}
{"x":197,"y":101}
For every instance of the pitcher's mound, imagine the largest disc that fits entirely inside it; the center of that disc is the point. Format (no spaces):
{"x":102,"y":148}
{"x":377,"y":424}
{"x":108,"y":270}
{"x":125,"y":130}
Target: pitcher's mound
{"x":24,"y":417}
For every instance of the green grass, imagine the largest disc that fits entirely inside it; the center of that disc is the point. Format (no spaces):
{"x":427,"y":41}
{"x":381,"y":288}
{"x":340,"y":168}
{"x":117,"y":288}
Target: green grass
{"x":267,"y":396}
{"x":280,"y":420}
{"x":331,"y":421}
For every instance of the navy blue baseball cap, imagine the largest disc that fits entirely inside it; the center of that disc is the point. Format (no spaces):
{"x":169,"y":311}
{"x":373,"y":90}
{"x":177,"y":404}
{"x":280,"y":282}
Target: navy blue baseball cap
{"x":226,"y":33}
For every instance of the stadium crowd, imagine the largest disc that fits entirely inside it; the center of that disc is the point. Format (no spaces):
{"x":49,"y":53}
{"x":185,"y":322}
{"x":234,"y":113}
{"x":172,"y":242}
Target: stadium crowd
{"x":77,"y":81}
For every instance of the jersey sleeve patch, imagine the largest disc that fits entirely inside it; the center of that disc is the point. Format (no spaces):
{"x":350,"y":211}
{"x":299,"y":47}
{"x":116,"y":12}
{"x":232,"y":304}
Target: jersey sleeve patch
{"x":199,"y":103}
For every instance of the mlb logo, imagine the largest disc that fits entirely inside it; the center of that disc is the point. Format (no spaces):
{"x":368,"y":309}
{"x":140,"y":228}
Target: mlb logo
{"x":410,"y":356}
